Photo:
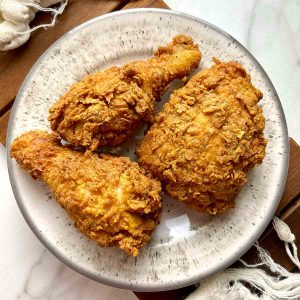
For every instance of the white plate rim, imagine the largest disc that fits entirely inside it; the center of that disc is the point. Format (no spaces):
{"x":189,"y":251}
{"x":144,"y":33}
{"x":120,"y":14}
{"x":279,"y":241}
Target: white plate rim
{"x":127,"y":285}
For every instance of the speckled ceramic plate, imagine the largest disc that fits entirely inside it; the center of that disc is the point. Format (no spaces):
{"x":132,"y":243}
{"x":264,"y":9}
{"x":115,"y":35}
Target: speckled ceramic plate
{"x":186,"y":246}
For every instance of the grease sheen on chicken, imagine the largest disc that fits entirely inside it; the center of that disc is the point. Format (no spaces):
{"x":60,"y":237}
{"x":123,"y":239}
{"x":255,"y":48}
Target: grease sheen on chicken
{"x":206,"y":138}
{"x":111,"y":199}
{"x":105,"y":108}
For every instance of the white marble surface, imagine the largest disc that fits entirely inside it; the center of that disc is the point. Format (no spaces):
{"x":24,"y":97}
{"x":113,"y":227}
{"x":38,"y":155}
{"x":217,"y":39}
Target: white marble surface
{"x":270,"y":30}
{"x":28,"y":270}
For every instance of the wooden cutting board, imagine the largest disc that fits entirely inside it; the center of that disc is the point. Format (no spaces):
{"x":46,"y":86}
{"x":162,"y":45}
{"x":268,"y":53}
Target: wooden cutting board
{"x":15,"y":64}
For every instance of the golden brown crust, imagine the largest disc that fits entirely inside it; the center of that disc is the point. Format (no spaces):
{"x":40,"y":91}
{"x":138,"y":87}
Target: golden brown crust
{"x":111,"y":199}
{"x":105,"y":108}
{"x":206,"y":138}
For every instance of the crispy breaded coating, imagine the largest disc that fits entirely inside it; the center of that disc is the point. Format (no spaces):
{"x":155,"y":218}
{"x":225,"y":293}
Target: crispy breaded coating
{"x":206,"y":138}
{"x":111,"y":199}
{"x":105,"y":108}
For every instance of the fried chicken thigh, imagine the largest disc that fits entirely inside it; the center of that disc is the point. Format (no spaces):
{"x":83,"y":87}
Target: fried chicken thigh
{"x":206,"y":138}
{"x":111,"y":199}
{"x":106,"y":107}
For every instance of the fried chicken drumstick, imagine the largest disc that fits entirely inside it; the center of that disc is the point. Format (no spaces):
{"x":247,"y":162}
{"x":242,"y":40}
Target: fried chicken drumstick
{"x":106,"y":107}
{"x":111,"y":199}
{"x":206,"y":138}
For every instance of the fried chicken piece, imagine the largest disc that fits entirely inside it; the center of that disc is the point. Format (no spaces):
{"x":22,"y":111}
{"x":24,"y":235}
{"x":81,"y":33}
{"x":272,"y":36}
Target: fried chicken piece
{"x":105,"y":108}
{"x":111,"y":199}
{"x":206,"y":138}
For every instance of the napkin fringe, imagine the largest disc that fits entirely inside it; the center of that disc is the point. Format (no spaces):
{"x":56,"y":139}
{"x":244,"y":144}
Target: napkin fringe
{"x":273,"y":282}
{"x":15,"y":17}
